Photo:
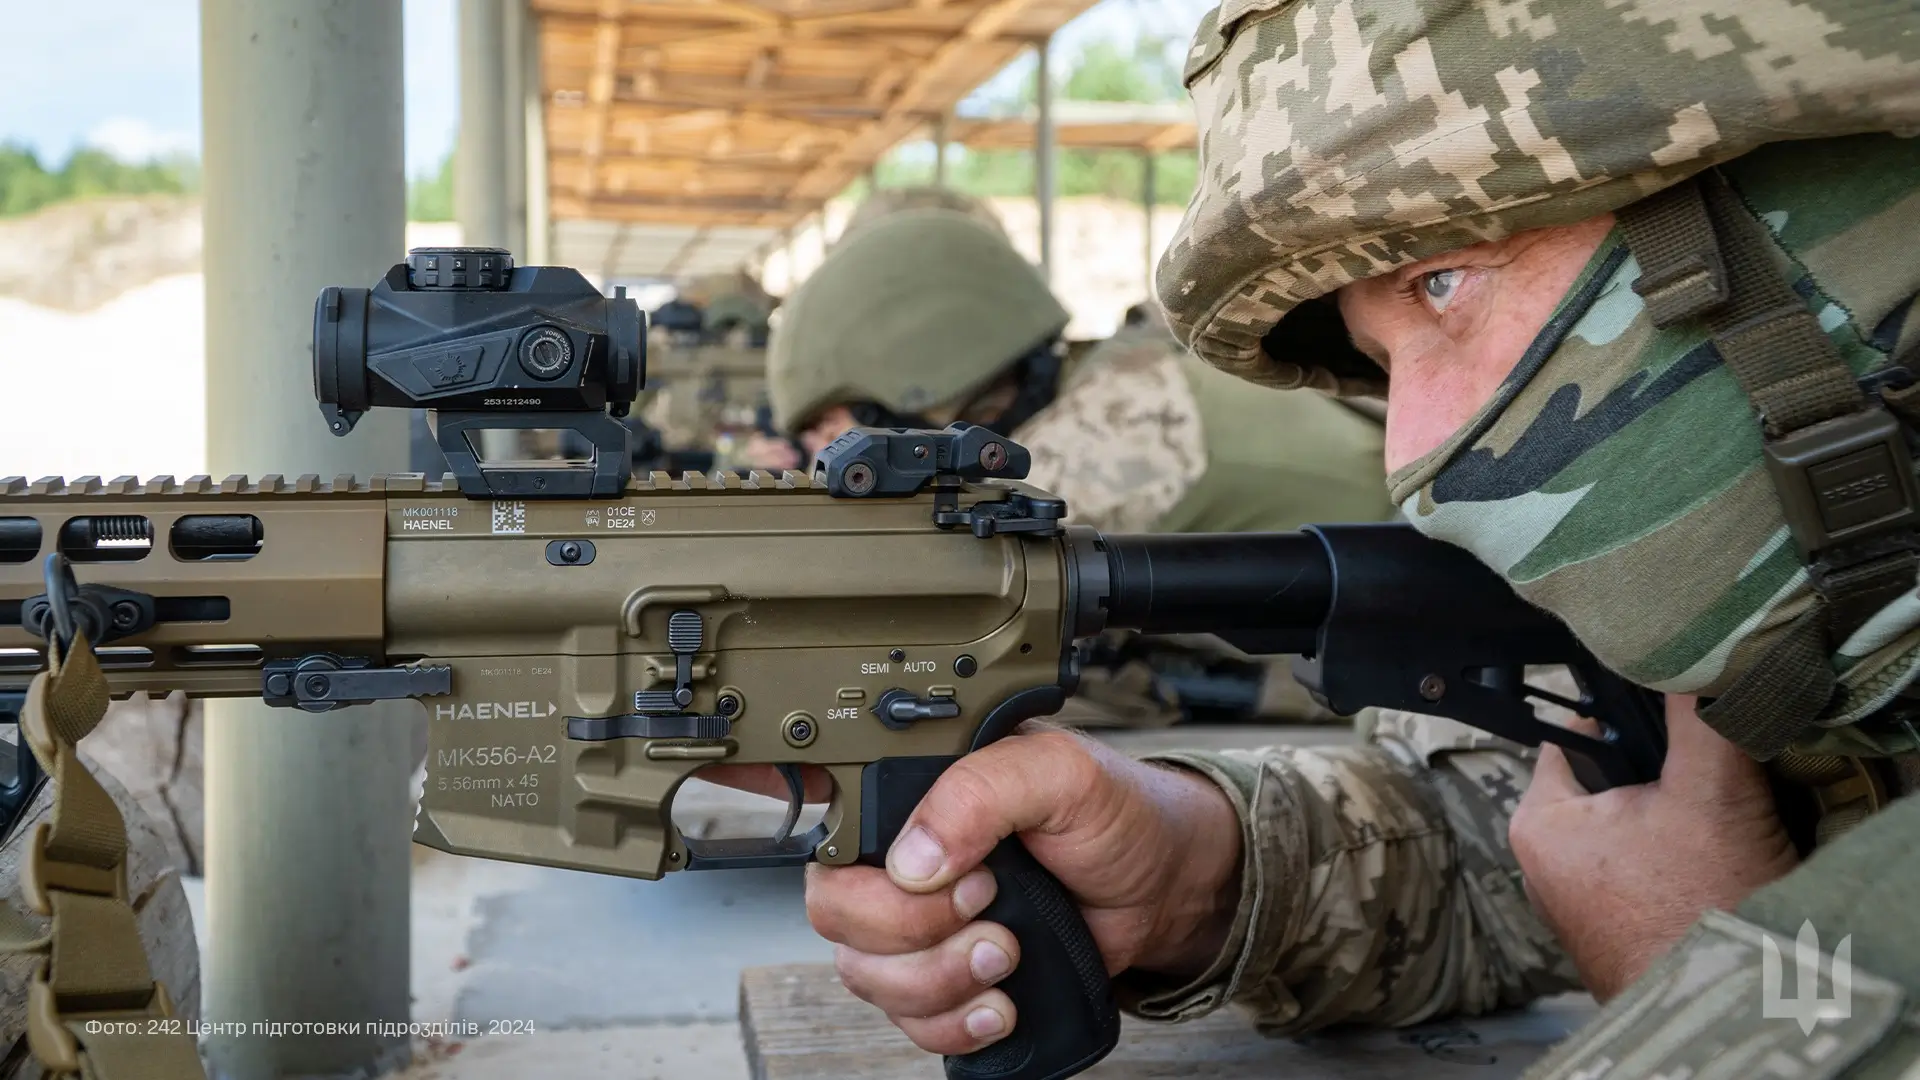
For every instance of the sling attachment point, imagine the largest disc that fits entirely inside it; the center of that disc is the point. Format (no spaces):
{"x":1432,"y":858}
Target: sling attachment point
{"x":93,"y":983}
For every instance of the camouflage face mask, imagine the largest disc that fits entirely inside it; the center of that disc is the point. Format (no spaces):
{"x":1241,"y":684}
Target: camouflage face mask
{"x":1617,"y":478}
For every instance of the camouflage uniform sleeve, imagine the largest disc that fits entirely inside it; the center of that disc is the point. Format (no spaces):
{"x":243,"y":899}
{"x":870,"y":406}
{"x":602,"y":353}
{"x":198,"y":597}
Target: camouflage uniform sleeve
{"x":1377,"y":885}
{"x":1123,"y":443}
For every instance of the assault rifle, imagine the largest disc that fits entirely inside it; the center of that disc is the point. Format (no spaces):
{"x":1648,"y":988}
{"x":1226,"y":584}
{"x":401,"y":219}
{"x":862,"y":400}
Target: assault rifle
{"x":584,"y":640}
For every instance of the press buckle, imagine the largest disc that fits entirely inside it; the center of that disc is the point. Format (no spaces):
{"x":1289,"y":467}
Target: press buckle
{"x":47,"y":1035}
{"x":38,"y":874}
{"x":1844,"y":480}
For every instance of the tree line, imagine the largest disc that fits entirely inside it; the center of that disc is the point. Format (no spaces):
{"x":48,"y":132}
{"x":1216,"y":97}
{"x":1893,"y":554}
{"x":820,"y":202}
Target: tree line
{"x":27,"y":184}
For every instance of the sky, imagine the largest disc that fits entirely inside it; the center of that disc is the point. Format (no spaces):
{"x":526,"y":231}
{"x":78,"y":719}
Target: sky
{"x":123,"y":75}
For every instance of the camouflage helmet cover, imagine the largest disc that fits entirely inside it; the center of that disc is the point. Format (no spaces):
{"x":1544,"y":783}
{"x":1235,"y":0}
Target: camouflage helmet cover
{"x":1344,"y":138}
{"x":921,"y":308}
{"x":888,"y":201}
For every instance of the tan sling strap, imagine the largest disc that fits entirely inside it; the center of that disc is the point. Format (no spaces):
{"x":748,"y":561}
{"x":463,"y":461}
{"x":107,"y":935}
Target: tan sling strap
{"x":1837,"y":457}
{"x":94,"y":1009}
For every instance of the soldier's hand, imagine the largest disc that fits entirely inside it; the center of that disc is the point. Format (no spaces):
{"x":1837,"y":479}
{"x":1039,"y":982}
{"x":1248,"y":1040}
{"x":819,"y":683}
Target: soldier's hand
{"x":1152,"y":855}
{"x":1619,"y":876}
{"x":762,"y":452}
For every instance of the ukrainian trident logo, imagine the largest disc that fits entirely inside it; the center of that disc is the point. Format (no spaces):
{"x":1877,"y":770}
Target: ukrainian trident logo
{"x":1806,"y":1005}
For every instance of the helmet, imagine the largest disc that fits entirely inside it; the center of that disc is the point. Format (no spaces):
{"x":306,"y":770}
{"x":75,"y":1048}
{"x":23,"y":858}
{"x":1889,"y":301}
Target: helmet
{"x":894,"y":200}
{"x":1337,"y":150}
{"x":737,"y":311}
{"x":919,"y":309}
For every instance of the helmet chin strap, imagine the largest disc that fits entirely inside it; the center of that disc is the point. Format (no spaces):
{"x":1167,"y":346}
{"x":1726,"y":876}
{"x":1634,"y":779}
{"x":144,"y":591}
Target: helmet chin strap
{"x":1037,"y":376}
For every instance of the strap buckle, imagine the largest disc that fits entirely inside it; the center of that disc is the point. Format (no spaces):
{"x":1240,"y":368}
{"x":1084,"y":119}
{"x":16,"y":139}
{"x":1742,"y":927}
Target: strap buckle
{"x":38,"y":874}
{"x":56,"y":1048}
{"x":1844,"y":480}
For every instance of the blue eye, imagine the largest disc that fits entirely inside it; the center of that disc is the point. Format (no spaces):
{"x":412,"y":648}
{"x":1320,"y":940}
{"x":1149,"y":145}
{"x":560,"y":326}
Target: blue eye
{"x":1438,"y":288}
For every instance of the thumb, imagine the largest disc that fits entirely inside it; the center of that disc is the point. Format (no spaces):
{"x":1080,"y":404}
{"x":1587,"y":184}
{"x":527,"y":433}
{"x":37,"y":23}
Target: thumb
{"x":1553,"y":780}
{"x":1019,"y":783}
{"x":1700,"y":760}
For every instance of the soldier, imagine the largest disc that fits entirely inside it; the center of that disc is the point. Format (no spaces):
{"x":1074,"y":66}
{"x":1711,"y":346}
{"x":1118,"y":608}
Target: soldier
{"x":1649,"y":362}
{"x":924,"y":317}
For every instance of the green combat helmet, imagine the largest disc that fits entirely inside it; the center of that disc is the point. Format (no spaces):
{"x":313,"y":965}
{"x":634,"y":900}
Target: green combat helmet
{"x":921,"y":310}
{"x":926,"y":197}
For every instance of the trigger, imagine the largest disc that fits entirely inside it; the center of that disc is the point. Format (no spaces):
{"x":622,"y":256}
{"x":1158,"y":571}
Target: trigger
{"x":796,"y":794}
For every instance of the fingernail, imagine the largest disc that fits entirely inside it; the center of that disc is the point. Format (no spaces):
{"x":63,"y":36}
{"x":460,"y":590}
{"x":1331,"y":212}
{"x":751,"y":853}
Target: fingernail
{"x":984,"y":1023}
{"x":988,"y":962}
{"x":916,"y":856}
{"x":974,"y":892}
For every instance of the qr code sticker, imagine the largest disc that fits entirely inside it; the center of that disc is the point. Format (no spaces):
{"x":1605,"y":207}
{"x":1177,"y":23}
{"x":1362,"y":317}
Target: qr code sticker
{"x":509,"y":517}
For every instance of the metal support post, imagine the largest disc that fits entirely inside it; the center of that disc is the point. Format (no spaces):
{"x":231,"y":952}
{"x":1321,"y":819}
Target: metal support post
{"x":307,"y":815}
{"x":1043,"y":153}
{"x":940,"y":151}
{"x":1146,"y":202}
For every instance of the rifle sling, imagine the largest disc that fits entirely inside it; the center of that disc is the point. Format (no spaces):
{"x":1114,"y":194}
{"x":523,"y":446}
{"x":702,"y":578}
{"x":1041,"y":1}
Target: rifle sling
{"x":74,"y":871}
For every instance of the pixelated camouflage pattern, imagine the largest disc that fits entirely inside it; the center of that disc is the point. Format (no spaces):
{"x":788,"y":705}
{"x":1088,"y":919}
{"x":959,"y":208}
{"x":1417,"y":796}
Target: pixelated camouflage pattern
{"x":919,"y":310}
{"x":1144,"y":438}
{"x":1343,"y":138}
{"x":1377,"y":885}
{"x":921,"y":197}
{"x":1700,"y":1012}
{"x":1617,"y":479}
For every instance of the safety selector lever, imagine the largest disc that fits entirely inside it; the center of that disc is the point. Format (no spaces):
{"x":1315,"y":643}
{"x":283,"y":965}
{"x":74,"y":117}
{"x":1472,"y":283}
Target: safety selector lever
{"x":901,"y":709}
{"x":661,"y":714}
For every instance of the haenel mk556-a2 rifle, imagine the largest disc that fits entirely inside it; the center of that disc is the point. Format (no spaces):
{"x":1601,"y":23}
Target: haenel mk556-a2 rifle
{"x":584,"y":640}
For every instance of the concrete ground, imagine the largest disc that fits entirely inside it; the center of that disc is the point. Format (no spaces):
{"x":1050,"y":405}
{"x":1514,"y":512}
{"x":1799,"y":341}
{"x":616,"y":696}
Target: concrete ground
{"x":623,"y":978}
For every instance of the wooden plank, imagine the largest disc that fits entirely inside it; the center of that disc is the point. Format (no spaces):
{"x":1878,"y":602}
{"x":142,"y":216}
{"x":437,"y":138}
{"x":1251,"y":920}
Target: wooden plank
{"x":799,"y":1023}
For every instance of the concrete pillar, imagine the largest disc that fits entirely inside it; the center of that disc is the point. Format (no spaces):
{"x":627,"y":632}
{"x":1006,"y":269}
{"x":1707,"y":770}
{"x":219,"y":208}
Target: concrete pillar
{"x":534,"y":133}
{"x":1146,"y":204}
{"x":1043,"y":153}
{"x":516,"y":22}
{"x":308,"y":816}
{"x":480,"y":159}
{"x":940,"y":151}
{"x":481,"y":163}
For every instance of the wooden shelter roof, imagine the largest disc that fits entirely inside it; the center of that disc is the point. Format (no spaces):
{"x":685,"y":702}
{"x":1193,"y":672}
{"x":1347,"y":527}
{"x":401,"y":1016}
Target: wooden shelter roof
{"x":682,"y":135}
{"x":1086,"y":125}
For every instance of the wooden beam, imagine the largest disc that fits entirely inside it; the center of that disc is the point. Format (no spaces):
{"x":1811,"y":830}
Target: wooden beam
{"x":579,"y":206}
{"x":987,"y":22}
{"x":1175,"y":137}
{"x":740,"y":11}
{"x":754,"y":161}
{"x":881,"y":84}
{"x":570,"y":208}
{"x":760,"y":68}
{"x":606,"y":54}
{"x":665,"y":26}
